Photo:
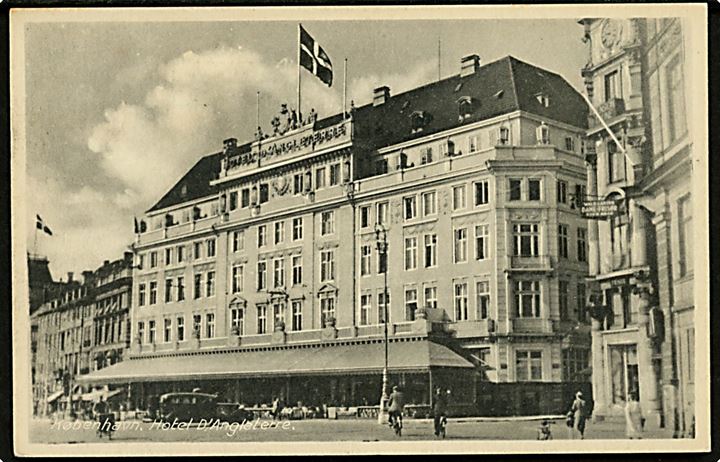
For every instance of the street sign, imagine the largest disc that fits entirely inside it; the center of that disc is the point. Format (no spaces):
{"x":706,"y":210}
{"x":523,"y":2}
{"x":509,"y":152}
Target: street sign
{"x":599,"y":209}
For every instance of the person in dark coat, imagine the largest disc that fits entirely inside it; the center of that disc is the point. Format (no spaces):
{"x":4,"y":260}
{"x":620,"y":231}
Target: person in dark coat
{"x":439,"y":408}
{"x":396,"y":404}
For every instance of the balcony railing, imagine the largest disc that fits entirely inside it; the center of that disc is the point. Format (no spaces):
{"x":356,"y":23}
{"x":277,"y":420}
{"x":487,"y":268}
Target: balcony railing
{"x":532,"y":325}
{"x":608,"y":110}
{"x":530,"y":263}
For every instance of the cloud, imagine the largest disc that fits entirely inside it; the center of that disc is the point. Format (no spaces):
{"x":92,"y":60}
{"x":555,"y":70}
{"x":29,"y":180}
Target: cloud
{"x":361,"y":89}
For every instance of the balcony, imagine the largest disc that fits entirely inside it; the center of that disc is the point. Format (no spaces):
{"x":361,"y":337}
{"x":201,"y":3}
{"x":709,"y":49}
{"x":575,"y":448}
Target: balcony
{"x":476,"y":328}
{"x":608,"y":110}
{"x":530,"y":264}
{"x":532,"y":326}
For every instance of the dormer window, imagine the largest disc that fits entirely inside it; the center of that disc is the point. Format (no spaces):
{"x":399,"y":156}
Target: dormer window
{"x":418,"y":121}
{"x":542,"y":134}
{"x":465,"y":108}
{"x":543,"y":99}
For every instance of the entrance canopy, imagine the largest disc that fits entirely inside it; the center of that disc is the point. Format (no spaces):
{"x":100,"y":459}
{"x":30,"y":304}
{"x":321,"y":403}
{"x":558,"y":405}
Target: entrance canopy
{"x":302,"y":360}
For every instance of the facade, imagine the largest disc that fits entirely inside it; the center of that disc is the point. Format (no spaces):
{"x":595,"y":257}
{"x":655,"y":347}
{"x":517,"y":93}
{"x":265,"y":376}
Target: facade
{"x":641,"y":253}
{"x":262,"y":272}
{"x":84,"y":329}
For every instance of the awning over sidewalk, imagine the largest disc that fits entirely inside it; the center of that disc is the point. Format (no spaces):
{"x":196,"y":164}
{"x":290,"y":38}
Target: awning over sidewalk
{"x":302,"y":360}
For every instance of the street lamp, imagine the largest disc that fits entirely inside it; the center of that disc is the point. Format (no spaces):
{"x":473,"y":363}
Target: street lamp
{"x":382,"y":247}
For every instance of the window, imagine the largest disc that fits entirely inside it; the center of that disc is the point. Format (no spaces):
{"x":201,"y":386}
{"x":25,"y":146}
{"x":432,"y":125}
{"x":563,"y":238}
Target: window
{"x":167,"y":330}
{"x":579,"y":195}
{"x":410,"y":253}
{"x":430,"y":250}
{"x":180,"y":328}
{"x":297,"y":315}
{"x":245,"y":197}
{"x":562,"y":192}
{"x":410,"y":303}
{"x":515,"y":189}
{"x":262,"y":236}
{"x":297,"y":276}
{"x":327,"y":265}
{"x":364,"y":216}
{"x":365,"y":260}
{"x":482,"y":192}
{"x":381,"y":166}
{"x":542,"y":134}
{"x":264,"y":193}
{"x":528,"y":365}
{"x":426,"y":155}
{"x":327,"y":308}
{"x":197,"y":250}
{"x":383,"y":309}
{"x":327,"y":223}
{"x":685,"y":249}
{"x":238,"y":241}
{"x":461,"y":301}
{"x":429,"y":203}
{"x":563,"y":299}
{"x":153,"y":292}
{"x":460,"y":247}
{"x":581,"y":314}
{"x":563,"y":240}
{"x":168,"y":256}
{"x":365,"y":307}
{"x":210,"y":283}
{"x":459,"y":197}
{"x":238,"y":278}
{"x":298,"y":183}
{"x":197,"y":325}
{"x":153,"y":260}
{"x":297,"y":228}
{"x":526,"y":239}
{"x":180,"y":253}
{"x":533,"y":190}
{"x":410,"y":207}
{"x":612,"y":85}
{"x":180,"y":288}
{"x":582,"y":244}
{"x":472,"y":143}
{"x":211,"y":247}
{"x":262,"y":319}
{"x":570,"y":143}
{"x":527,"y":299}
{"x":278,"y":272}
{"x":141,"y":294}
{"x":574,"y":361}
{"x":334,"y":174}
{"x":279,"y":232}
{"x":140,"y":332}
{"x":233,"y":200}
{"x":320,"y":178}
{"x":430,"y":296}
{"x":616,"y":163}
{"x":676,"y":99}
{"x":482,"y":242}
{"x":483,"y":299}
{"x":168,"y":290}
{"x":262,"y":275}
{"x":382,"y":213}
{"x":237,"y":320}
{"x":151,"y":331}
{"x":278,"y":313}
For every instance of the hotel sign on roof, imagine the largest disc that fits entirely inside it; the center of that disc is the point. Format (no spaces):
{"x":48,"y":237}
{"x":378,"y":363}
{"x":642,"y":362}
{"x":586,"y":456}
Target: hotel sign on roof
{"x":292,"y":146}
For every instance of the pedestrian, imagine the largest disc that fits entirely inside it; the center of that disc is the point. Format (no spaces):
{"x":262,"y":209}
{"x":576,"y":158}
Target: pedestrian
{"x":396,"y":404}
{"x":275,"y":410}
{"x":579,"y":415}
{"x":544,"y":432}
{"x":439,"y":409}
{"x":634,"y":420}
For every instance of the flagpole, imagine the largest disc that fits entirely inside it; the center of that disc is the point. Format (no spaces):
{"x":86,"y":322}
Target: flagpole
{"x":299,"y":111}
{"x":439,"y":59}
{"x":258,"y":112}
{"x":344,"y":89}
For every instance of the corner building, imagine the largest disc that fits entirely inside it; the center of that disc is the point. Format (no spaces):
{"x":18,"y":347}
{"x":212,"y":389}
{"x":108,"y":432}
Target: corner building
{"x":259,"y":273}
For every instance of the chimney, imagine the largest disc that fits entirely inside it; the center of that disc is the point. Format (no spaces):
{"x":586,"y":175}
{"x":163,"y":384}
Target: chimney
{"x":469,"y":65}
{"x":381,"y":95}
{"x":70,"y":276}
{"x":128,"y":257}
{"x":87,"y":275}
{"x":229,"y":145}
{"x":106,"y":262}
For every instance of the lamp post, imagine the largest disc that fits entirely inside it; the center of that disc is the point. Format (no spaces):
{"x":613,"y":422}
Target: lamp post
{"x":382,"y":247}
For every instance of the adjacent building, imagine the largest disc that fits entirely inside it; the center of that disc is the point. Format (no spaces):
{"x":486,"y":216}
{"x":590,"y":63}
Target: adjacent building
{"x":266,"y":270}
{"x":639,"y":205}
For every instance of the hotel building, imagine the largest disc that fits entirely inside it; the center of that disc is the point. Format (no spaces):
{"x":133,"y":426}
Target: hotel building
{"x":259,"y":273}
{"x":641,"y":270}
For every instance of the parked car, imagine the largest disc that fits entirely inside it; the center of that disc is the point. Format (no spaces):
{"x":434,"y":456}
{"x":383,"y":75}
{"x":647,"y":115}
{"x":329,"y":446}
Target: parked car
{"x":188,"y":405}
{"x":233,"y":412}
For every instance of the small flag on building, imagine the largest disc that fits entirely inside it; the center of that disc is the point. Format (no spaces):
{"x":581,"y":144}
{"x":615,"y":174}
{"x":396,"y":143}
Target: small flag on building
{"x":40,"y":224}
{"x":314,"y":59}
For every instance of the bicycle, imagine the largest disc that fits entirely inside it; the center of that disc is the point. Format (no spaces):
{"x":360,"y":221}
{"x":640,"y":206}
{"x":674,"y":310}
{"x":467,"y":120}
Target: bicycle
{"x":396,"y":423}
{"x":442,"y":430}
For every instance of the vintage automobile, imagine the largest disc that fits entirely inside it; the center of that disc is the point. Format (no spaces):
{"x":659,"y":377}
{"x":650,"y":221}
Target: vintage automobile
{"x":184,"y":406}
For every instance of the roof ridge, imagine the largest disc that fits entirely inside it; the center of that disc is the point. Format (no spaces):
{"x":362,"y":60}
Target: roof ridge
{"x":512,"y":80}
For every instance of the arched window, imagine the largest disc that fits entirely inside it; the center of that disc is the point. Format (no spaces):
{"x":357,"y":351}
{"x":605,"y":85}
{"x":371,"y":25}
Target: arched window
{"x":542,"y":133}
{"x":465,"y":107}
{"x":419,"y":120}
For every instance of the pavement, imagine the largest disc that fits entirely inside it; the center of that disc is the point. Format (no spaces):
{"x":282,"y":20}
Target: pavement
{"x":518,"y":428}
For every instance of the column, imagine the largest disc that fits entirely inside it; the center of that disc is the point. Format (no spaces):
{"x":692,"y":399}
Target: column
{"x":593,"y":235}
{"x":598,"y":372}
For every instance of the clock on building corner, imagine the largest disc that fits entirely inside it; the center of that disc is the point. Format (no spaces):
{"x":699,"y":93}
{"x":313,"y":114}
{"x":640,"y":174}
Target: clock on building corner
{"x":610,"y":34}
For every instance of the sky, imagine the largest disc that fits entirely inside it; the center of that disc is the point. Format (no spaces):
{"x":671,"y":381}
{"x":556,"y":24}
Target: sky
{"x":117,"y":112}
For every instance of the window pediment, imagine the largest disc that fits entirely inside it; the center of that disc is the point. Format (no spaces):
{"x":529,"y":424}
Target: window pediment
{"x":237,"y":302}
{"x":327,"y":289}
